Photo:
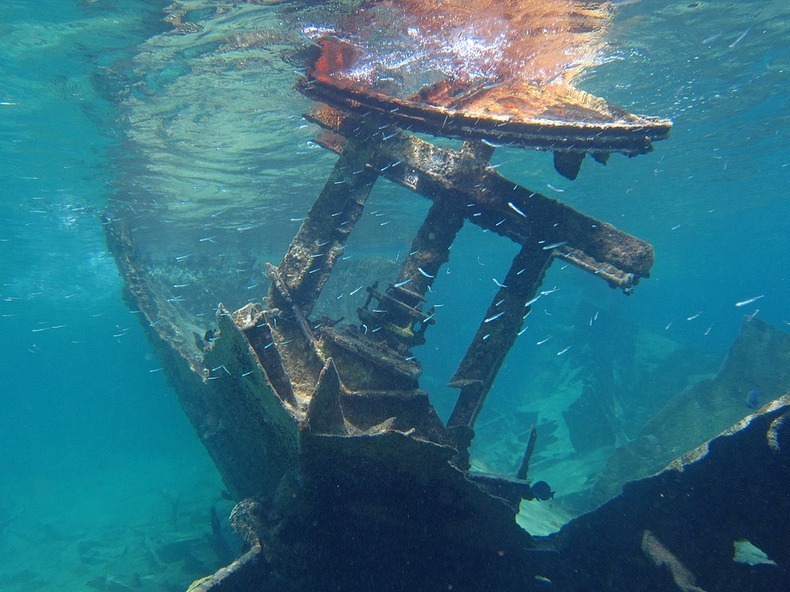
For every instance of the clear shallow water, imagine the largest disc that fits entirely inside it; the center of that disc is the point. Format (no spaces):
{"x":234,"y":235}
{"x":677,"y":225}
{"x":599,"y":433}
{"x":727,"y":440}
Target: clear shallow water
{"x":98,"y":104}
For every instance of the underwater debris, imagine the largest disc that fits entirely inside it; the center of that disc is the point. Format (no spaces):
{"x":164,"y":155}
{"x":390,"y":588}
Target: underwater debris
{"x":322,"y":429}
{"x":760,"y":357}
{"x":523,"y":469}
{"x":501,"y":74}
{"x":341,"y":462}
{"x":663,"y":558}
{"x":746,"y":552}
{"x":283,"y":402}
{"x":695,"y":507}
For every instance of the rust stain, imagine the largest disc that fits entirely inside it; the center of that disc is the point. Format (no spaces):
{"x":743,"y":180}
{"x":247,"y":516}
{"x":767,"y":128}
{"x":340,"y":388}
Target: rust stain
{"x":495,"y":70}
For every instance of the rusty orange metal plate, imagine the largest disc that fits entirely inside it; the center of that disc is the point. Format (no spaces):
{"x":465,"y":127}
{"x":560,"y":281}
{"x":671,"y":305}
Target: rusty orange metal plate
{"x":500,"y":71}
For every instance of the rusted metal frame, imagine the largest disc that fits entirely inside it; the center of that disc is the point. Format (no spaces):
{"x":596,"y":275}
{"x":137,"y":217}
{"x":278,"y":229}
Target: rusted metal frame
{"x":613,"y":276}
{"x":399,"y":306}
{"x":290,"y":332}
{"x":492,"y":341}
{"x":368,"y":352}
{"x":397,"y":311}
{"x":321,"y":238}
{"x":262,"y":342}
{"x":628,"y":138}
{"x":430,"y":248}
{"x":497,"y":204}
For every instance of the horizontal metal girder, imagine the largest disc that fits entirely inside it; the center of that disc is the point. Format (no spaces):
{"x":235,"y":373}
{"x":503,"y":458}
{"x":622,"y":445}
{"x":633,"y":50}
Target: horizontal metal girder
{"x":499,"y":205}
{"x":609,"y":129}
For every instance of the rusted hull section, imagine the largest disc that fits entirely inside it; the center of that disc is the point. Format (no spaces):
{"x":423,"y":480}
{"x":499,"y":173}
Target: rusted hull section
{"x":249,"y":431}
{"x":505,"y":108}
{"x":681,"y":529}
{"x":609,"y":134}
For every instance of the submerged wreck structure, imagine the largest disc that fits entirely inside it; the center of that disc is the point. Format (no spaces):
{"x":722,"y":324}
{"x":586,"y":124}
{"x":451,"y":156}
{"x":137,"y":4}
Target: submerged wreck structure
{"x":346,"y":477}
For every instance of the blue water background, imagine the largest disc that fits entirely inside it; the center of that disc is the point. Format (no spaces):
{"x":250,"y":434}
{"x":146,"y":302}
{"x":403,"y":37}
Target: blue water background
{"x":93,"y":444}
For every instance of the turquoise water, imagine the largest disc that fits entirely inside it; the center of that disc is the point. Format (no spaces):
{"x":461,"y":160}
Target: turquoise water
{"x":104,"y":480}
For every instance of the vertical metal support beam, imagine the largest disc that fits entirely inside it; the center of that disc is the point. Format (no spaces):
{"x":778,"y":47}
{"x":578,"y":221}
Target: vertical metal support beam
{"x":493,"y":340}
{"x":430,"y":248}
{"x":322,"y":236}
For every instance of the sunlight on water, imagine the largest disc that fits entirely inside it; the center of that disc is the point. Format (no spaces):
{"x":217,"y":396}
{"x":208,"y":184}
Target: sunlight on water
{"x":533,"y":41}
{"x":184,"y":120}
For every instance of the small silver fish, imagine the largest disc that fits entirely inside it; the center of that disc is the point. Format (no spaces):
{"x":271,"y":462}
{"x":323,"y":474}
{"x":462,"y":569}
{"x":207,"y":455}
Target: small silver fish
{"x":533,"y":301}
{"x":739,"y":39}
{"x":494,"y":318}
{"x":554,"y":245}
{"x":513,"y":207}
{"x":749,"y":301}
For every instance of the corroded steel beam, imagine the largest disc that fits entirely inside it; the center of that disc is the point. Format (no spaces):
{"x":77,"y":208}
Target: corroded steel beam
{"x":493,"y":340}
{"x":323,"y":234}
{"x":499,"y":205}
{"x":430,"y":248}
{"x":513,"y":112}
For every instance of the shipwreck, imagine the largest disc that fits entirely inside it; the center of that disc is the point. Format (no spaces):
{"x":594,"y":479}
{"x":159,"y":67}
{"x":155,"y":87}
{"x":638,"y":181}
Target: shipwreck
{"x":344,"y":474}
